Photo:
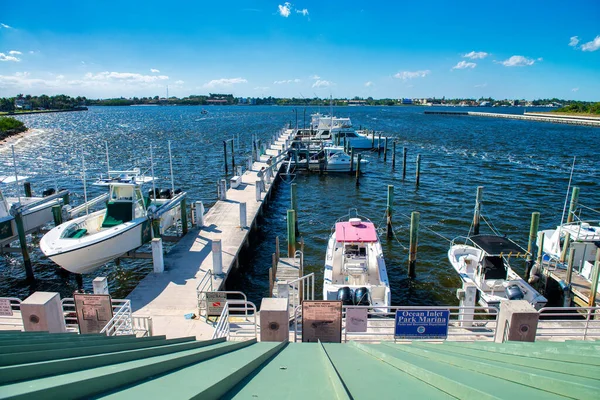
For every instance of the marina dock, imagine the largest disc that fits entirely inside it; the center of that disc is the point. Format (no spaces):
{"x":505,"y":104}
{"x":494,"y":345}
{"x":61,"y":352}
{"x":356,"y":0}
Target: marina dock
{"x":580,"y":287}
{"x":168,"y":296}
{"x":541,"y":117}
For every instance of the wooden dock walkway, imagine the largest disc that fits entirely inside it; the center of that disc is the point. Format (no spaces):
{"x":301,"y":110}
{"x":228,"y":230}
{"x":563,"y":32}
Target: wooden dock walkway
{"x":287,"y":270}
{"x":580,"y":287}
{"x":167,"y":297}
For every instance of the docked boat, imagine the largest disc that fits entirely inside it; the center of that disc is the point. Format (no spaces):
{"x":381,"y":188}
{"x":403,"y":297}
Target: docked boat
{"x":85,"y":243}
{"x":326,"y":159}
{"x":483,"y":260}
{"x":339,"y":130}
{"x":583,"y":236}
{"x":35,"y":212}
{"x":355,"y":270}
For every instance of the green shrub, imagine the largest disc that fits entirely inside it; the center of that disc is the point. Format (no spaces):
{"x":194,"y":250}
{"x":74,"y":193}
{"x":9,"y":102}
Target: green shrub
{"x":10,"y":125}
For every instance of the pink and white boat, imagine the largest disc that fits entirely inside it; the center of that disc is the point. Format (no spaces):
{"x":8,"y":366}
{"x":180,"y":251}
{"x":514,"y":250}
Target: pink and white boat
{"x":355,"y":270}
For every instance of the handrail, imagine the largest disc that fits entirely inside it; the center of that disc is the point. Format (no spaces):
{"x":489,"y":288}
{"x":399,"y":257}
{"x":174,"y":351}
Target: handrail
{"x":307,"y":284}
{"x":207,"y":280}
{"x":222,"y":329}
{"x":202,"y":297}
{"x":581,"y":322}
{"x":121,"y":322}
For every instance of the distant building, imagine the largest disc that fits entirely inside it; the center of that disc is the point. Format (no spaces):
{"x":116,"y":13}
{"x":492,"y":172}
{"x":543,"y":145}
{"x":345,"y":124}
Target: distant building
{"x":22,"y":104}
{"x":406,"y":101}
{"x":357,"y":102}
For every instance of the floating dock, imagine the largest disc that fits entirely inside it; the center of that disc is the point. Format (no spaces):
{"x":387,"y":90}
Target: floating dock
{"x":169,"y":296}
{"x":541,"y":117}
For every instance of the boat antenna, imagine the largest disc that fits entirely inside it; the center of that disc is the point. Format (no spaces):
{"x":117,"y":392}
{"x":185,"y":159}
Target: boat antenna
{"x":84,"y":185}
{"x":16,"y":174}
{"x":171,"y":165}
{"x":107,"y":159}
{"x":568,"y":190}
{"x":54,"y":173}
{"x":152,"y":169}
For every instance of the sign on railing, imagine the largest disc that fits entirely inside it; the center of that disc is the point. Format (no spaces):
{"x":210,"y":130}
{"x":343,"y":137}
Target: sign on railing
{"x":421,"y":324}
{"x":5,"y":308}
{"x":322,"y":320}
{"x":93,"y":311}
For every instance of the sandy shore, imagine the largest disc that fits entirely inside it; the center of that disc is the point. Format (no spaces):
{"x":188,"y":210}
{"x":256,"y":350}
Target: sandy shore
{"x":14,"y":139}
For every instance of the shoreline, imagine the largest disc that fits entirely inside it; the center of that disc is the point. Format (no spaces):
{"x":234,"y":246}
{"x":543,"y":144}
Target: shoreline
{"x":16,"y":114}
{"x":11,"y":139}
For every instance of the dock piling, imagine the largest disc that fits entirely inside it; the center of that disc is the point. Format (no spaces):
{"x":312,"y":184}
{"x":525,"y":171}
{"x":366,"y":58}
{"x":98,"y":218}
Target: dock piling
{"x":199,"y":214}
{"x":594,"y":279}
{"x":385,"y":150}
{"x":27,"y":189}
{"x":570,"y":263}
{"x":533,"y":229}
{"x":223,"y":189}
{"x":225,"y":156}
{"x":291,"y":232}
{"x":379,"y":145}
{"x":573,"y":205}
{"x":394,"y":155}
{"x":418,"y":177}
{"x":183,"y":216}
{"x":477,"y":214}
{"x":57,"y":214}
{"x":294,"y":206}
{"x":388,"y":210}
{"x":217,"y":257}
{"x":563,"y":253}
{"x":358,"y":170}
{"x":243,"y":217}
{"x":352,"y":160}
{"x":158,"y":260}
{"x":232,"y":156}
{"x":414,"y":239}
{"x":404,"y":151}
{"x":373,"y":140}
{"x":23,"y":243}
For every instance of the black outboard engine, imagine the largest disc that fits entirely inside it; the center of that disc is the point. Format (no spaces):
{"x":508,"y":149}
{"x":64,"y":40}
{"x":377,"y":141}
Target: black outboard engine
{"x":345,"y":295}
{"x":48,"y":192}
{"x":178,"y":190}
{"x":514,"y":292}
{"x":165,"y":194}
{"x":361,"y":296}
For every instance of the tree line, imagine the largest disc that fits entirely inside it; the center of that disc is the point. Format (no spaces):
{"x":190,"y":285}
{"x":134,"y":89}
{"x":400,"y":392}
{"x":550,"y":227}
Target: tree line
{"x":43,"y":102}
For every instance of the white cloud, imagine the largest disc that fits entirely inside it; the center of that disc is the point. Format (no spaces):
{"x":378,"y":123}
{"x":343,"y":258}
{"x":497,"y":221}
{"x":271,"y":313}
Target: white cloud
{"x":476,"y":54}
{"x":368,"y":84}
{"x":287,"y":81}
{"x":463,"y":65}
{"x":575,"y":89}
{"x":322,"y":83}
{"x":481,"y":85}
{"x":304,"y":12}
{"x":154,"y":70}
{"x":4,"y":57}
{"x":284,"y":10}
{"x":517,"y":61}
{"x":31,"y":52}
{"x":591,"y":46}
{"x":5,"y":26}
{"x":574,"y":41}
{"x":125,"y":77}
{"x":223,"y":82}
{"x":315,"y":77}
{"x":14,"y":52}
{"x":179,"y":82}
{"x":261,"y":88}
{"x":404,"y":75}
{"x":23,"y":80}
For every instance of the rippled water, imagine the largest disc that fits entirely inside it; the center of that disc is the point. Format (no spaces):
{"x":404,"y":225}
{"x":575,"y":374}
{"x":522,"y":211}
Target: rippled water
{"x":523,"y":166}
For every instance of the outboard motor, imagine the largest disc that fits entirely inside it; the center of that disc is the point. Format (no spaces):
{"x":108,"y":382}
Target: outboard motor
{"x":514,"y":292}
{"x":361,"y":296}
{"x":178,"y":190}
{"x":345,"y":295}
{"x":48,"y":192}
{"x":165,"y":194}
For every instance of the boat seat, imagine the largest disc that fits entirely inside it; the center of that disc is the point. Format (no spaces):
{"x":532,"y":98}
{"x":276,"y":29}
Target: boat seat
{"x":117,"y":213}
{"x":355,"y":268}
{"x":77,"y":234}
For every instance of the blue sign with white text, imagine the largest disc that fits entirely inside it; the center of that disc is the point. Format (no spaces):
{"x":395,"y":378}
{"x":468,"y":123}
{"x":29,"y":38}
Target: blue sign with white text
{"x":421,"y":324}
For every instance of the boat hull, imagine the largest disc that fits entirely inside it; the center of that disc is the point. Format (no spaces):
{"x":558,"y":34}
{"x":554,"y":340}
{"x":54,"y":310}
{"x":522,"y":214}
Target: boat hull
{"x":33,"y":219}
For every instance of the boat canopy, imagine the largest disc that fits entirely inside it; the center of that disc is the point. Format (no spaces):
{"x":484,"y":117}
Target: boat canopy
{"x":493,"y":244}
{"x":362,"y":232}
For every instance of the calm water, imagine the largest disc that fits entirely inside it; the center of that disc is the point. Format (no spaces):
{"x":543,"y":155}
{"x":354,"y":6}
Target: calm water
{"x":523,"y":166}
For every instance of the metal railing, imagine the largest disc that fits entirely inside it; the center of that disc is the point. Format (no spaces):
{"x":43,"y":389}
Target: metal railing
{"x":203,"y":306}
{"x":465,"y":323}
{"x":222,"y":328}
{"x":70,"y":314}
{"x":302,"y":289}
{"x":121,"y":323}
{"x":574,"y":323}
{"x":15,"y":308}
{"x":142,"y":326}
{"x":205,"y":285}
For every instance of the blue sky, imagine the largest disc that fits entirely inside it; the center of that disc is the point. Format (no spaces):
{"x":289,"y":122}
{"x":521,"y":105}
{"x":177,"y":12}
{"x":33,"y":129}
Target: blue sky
{"x":381,"y":49}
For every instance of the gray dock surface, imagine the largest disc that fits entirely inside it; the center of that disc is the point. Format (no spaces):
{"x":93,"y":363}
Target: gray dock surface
{"x":541,"y":117}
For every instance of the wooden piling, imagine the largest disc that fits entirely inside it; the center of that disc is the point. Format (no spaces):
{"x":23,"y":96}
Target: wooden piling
{"x":57,"y":214}
{"x":66,"y":198}
{"x":277,"y":247}
{"x":27,"y":189}
{"x":23,"y":243}
{"x":477,"y":214}
{"x":385,"y":150}
{"x":225,"y":156}
{"x":404,"y":151}
{"x":573,"y":205}
{"x":291,"y":232}
{"x":388,"y":211}
{"x":156,"y":228}
{"x":533,"y":229}
{"x":570,"y":263}
{"x":294,"y":206}
{"x":394,"y":155}
{"x":232,"y":156}
{"x":379,"y":145}
{"x":565,"y":248}
{"x":358,"y":170}
{"x":373,"y":140}
{"x":271,"y":282}
{"x":594,"y":279}
{"x":414,"y":239}
{"x":352,"y":160}
{"x":184,"y":221}
{"x":540,"y":252}
{"x":418,"y":177}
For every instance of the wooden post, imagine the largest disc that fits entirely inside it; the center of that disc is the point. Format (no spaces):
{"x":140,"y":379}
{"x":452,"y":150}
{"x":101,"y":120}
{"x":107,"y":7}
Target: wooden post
{"x":66,"y":199}
{"x":414,"y":239}
{"x":388,"y":211}
{"x":540,"y":252}
{"x":271,"y":282}
{"x":294,"y":206}
{"x":373,"y":140}
{"x":477,"y":215}
{"x":57,"y":214}
{"x":533,"y":229}
{"x":291,"y":232}
{"x":570,"y":263}
{"x":27,"y":189}
{"x":385,"y":150}
{"x":225,"y":156}
{"x":352,"y":160}
{"x":594,"y":279}
{"x":418,"y":169}
{"x":232,"y":156}
{"x":358,"y":170}
{"x":404,"y":150}
{"x":565,"y":247}
{"x":345,"y":143}
{"x":23,"y":243}
{"x":183,"y":216}
{"x":277,"y":247}
{"x":379,"y":145}
{"x":394,"y":155}
{"x":573,"y":205}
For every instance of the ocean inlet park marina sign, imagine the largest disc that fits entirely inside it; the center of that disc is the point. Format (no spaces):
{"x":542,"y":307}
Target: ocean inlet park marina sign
{"x":421,"y":324}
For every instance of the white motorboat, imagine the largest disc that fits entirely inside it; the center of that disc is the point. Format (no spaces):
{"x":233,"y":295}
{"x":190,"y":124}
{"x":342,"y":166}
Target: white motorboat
{"x":483,"y":260}
{"x":340,"y":130}
{"x":35,"y":212}
{"x":85,"y":243}
{"x":329,"y":159}
{"x":355,"y":270}
{"x":584,"y":237}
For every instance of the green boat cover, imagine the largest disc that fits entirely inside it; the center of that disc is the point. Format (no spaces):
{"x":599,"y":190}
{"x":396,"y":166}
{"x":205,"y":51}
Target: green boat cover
{"x":117,"y":213}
